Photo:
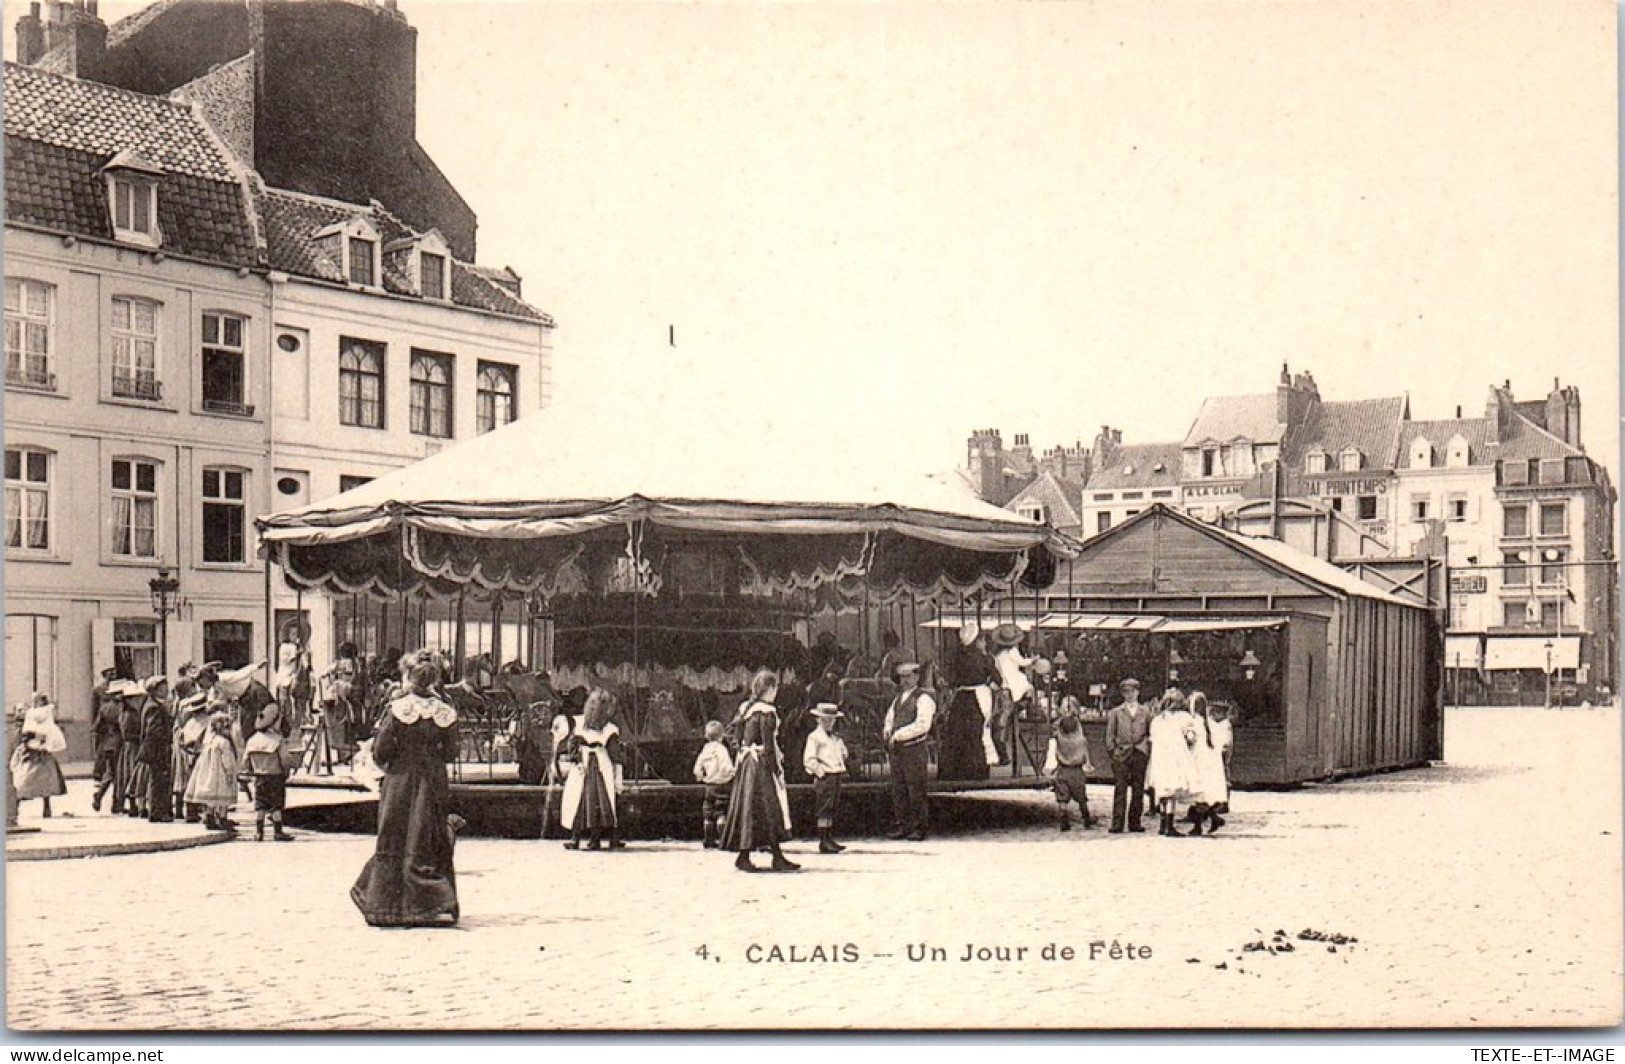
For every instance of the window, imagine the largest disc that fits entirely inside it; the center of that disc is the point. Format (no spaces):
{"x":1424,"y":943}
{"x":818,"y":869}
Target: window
{"x":1456,"y":508}
{"x":432,"y":269}
{"x":1103,"y":521}
{"x":1419,"y":508}
{"x":1103,"y":496}
{"x":1554,"y":518}
{"x":228,"y":642}
{"x":1162,"y":494}
{"x":224,"y":509}
{"x":1551,"y":614}
{"x":1210,"y":461}
{"x":495,"y":397}
{"x":1421,"y":453}
{"x":28,"y":499}
{"x":224,"y":364}
{"x":1514,"y":614}
{"x":1459,"y":452}
{"x":135,"y":648}
{"x":1514,"y":567}
{"x":1129,"y":513}
{"x":1133,"y":496}
{"x":1368,"y":507}
{"x":1552,"y":565}
{"x":1337,"y":504}
{"x":1315,"y":462}
{"x":361,"y":383}
{"x":135,"y":508}
{"x":361,"y":253}
{"x":135,"y":348}
{"x":30,"y":307}
{"x":431,"y":394}
{"x":1351,"y":460}
{"x":1458,"y":612}
{"x":135,"y":210}
{"x":1515,"y":520}
{"x":346,"y":482}
{"x":1033,"y":513}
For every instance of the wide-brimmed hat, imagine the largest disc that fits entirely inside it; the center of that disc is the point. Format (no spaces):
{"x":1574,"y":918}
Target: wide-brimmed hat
{"x":904,"y":668}
{"x":827,"y":709}
{"x":968,"y":633}
{"x":1130,"y":682}
{"x":125,"y":689}
{"x":195,"y":701}
{"x":110,"y":672}
{"x":298,"y":626}
{"x":152,"y":683}
{"x":1007,"y":635}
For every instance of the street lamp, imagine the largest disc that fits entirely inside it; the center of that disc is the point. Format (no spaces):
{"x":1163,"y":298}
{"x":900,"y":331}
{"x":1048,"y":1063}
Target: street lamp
{"x":1548,"y":674}
{"x":164,"y":592}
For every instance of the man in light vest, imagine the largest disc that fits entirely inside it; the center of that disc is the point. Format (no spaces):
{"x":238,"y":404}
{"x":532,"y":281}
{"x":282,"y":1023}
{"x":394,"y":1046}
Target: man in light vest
{"x":908,"y":725}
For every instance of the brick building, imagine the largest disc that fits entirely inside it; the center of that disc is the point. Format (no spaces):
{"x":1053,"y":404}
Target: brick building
{"x":190,"y":345}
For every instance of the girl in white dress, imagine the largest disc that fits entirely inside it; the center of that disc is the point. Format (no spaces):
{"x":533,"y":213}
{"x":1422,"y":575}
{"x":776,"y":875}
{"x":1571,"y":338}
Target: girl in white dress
{"x":1212,"y":784}
{"x":1172,"y":770}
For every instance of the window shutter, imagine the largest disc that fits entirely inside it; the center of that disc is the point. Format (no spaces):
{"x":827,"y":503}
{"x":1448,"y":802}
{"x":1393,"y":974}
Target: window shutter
{"x":101,"y":646}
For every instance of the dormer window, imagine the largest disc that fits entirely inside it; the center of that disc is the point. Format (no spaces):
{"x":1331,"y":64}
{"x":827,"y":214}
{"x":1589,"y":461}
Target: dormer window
{"x":360,"y":260}
{"x":1457,"y":455}
{"x":1315,"y":462}
{"x":1421,"y":454}
{"x":132,"y":199}
{"x":432,"y":271}
{"x":352,"y":248}
{"x":1351,"y":460}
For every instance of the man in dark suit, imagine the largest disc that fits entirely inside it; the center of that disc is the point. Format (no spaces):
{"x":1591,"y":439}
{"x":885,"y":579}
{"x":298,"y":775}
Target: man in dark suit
{"x":1128,"y":744}
{"x":907,"y":726}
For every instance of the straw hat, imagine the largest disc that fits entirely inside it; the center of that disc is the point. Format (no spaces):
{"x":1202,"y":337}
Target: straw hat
{"x":969,"y":632}
{"x":1007,"y":635}
{"x":827,"y":710}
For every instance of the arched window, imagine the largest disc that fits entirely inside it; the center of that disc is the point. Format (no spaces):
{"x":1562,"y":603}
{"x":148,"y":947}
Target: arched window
{"x":361,"y":383}
{"x":495,"y":396}
{"x":431,"y":394}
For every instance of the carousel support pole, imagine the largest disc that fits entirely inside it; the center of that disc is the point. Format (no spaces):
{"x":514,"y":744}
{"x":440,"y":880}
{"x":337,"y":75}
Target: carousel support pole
{"x":270,"y":635}
{"x":459,"y":637}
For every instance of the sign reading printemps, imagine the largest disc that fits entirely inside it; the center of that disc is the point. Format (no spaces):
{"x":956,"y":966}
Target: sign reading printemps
{"x":1470,"y":584}
{"x":1353,"y":486}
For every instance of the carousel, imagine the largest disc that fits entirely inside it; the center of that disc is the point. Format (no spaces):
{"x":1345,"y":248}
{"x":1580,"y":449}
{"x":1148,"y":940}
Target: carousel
{"x":663,"y":565}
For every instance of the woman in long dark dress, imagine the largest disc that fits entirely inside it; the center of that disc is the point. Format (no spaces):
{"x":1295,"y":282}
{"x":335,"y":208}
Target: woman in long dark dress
{"x":969,"y":698}
{"x":410,"y":882}
{"x":759,"y":807}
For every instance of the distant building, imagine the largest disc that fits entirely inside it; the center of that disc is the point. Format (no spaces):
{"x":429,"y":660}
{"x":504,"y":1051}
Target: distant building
{"x":1521,"y":520}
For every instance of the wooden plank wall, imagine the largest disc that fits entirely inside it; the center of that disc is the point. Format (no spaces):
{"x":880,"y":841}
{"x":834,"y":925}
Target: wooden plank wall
{"x":1381,"y":715}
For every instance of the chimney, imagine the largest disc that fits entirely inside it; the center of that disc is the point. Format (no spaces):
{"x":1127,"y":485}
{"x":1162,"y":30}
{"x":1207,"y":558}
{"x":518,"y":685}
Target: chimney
{"x":1294,"y":397}
{"x":985,"y":463}
{"x":30,"y":36}
{"x":1458,"y":411}
{"x":74,"y":32}
{"x":1105,"y":444}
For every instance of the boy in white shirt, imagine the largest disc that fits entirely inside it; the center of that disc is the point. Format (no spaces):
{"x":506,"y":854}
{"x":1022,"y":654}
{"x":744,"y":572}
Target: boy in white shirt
{"x":825,"y":761}
{"x":714,"y":768}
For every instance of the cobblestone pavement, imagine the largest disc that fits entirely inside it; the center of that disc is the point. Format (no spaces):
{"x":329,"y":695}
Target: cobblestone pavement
{"x":1485,"y":891}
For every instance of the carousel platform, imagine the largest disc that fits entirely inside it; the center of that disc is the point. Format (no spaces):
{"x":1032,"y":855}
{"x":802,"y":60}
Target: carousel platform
{"x":500,"y":806}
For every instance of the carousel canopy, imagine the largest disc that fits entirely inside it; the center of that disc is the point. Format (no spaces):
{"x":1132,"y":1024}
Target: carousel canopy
{"x":511,"y":509}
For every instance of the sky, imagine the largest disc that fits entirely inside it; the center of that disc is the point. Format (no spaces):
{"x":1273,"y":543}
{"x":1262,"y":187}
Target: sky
{"x":890,"y":224}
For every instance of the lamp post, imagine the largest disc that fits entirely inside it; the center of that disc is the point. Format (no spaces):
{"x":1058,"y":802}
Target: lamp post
{"x":1548,"y":674}
{"x":164,"y":590}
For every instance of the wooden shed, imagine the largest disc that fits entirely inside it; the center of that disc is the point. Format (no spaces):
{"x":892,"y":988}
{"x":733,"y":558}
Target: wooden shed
{"x":1327,"y":675}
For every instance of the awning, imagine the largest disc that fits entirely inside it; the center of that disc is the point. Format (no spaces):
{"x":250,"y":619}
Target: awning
{"x":1529,"y":652}
{"x":1464,"y":652}
{"x":1158,"y":623}
{"x":989,"y":621}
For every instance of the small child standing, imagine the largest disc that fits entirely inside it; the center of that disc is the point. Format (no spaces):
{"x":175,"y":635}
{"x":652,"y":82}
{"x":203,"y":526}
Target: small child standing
{"x":714,"y":768}
{"x":1067,"y":764}
{"x":824,"y":758}
{"x":266,"y":753}
{"x":213,"y":784}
